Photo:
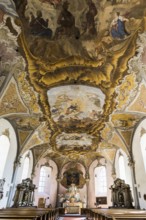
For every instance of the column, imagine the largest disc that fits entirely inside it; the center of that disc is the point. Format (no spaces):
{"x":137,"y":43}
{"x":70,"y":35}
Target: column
{"x":57,"y":196}
{"x":17,"y":164}
{"x":131,"y":164}
{"x":113,"y":172}
{"x":87,"y":188}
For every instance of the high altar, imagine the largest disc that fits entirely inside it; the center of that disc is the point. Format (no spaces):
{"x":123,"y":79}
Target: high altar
{"x":72,"y":203}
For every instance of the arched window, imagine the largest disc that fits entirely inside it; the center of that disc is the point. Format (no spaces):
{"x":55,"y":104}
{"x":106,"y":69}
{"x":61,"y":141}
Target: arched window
{"x":143,"y":149}
{"x":100,"y":181}
{"x":4,"y":149}
{"x":25,"y":170}
{"x":44,"y":181}
{"x":122,"y":171}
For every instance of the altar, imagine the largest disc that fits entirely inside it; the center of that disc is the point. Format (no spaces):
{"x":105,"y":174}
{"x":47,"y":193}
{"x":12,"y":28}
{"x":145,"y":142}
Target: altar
{"x":71,"y":200}
{"x":72,"y":208}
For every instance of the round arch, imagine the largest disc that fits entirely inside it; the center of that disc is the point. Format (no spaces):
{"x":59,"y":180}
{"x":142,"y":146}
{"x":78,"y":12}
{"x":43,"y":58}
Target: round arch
{"x":140,"y":173}
{"x":7,"y":130}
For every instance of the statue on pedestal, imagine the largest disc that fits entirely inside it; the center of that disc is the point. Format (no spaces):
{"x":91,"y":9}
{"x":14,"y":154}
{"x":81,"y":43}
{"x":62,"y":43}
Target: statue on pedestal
{"x":121,"y":194}
{"x":2,"y":181}
{"x":72,"y":195}
{"x":24,"y":194}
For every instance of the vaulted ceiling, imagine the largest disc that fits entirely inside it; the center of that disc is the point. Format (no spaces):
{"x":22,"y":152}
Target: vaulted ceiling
{"x":72,"y":76}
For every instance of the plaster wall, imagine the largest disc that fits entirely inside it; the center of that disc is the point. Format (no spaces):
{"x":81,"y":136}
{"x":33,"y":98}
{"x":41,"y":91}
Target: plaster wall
{"x":91,"y":185}
{"x":6,"y":127}
{"x":139,"y":164}
{"x":53,"y":183}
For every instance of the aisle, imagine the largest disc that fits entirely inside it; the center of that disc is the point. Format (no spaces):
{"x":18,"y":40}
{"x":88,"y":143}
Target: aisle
{"x":72,"y":217}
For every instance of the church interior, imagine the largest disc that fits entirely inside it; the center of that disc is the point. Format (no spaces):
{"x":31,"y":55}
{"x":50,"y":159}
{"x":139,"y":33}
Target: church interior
{"x":73,"y":104}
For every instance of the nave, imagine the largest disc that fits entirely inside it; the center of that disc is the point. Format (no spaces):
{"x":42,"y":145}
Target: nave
{"x":58,"y":214}
{"x":72,"y":108}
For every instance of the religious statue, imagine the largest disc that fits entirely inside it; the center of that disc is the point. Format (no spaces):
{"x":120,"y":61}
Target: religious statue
{"x":24,"y":194}
{"x":71,"y":195}
{"x":2,"y":181}
{"x":71,"y":200}
{"x":66,"y":22}
{"x":121,"y":194}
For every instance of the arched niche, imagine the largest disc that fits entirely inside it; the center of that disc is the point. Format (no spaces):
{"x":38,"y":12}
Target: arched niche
{"x":76,"y":168}
{"x":7,"y":130}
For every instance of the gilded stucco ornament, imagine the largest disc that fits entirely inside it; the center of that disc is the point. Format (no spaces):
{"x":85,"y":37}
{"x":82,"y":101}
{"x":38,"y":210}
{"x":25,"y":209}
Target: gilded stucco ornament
{"x":73,"y":176}
{"x":12,"y":104}
{"x":6,"y":132}
{"x":125,"y":120}
{"x":27,"y":122}
{"x":82,"y":55}
{"x":29,"y":95}
{"x":138,"y":105}
{"x":43,"y":76}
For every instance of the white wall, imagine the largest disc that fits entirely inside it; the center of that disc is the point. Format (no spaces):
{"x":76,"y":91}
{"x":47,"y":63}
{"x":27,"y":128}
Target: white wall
{"x":139,"y":165}
{"x":53,"y":183}
{"x":8,"y":170}
{"x":91,"y":190}
{"x":20,"y":168}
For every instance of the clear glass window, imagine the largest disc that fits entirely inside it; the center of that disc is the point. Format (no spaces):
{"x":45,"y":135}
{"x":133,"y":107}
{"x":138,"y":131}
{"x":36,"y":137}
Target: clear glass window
{"x":4,"y":150}
{"x":25,"y":170}
{"x":122,"y":170}
{"x":44,"y":181}
{"x":143,"y":149}
{"x":100,"y":181}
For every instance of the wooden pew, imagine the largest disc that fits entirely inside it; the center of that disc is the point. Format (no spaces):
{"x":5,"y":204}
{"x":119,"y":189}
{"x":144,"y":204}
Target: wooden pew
{"x":118,"y":214}
{"x":29,"y":213}
{"x":23,"y":214}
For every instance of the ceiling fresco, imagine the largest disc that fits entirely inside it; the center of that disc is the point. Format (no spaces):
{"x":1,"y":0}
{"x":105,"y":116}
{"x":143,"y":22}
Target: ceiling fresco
{"x":81,"y":142}
{"x":73,"y":76}
{"x":75,"y":105}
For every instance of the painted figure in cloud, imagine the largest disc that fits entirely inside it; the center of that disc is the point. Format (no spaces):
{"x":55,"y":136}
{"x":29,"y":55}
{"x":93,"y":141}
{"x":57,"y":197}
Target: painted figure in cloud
{"x":90,"y":17}
{"x":118,"y":27}
{"x":39,"y":26}
{"x":66,"y":22}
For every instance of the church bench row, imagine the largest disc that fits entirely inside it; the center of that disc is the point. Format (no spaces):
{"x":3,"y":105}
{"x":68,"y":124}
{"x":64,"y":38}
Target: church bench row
{"x":29,"y":213}
{"x":115,"y":214}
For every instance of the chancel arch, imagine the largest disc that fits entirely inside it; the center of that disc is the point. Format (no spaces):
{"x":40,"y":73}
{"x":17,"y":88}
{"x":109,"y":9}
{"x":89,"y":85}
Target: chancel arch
{"x":73,"y":181}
